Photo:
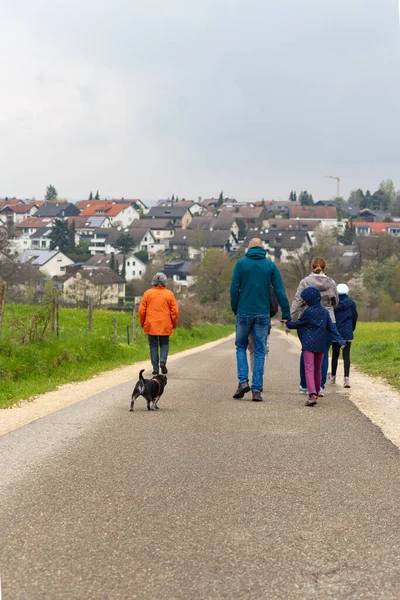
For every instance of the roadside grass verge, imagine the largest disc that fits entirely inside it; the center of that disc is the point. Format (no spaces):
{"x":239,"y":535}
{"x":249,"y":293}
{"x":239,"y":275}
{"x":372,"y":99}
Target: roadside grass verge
{"x":376,"y":350}
{"x":30,"y":369}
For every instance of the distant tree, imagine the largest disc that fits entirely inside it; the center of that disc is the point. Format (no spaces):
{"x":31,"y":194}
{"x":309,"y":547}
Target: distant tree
{"x":306,"y":199}
{"x":112,"y":261}
{"x":388,"y":189}
{"x":173,"y":198}
{"x":125,"y":243}
{"x":71,"y":237}
{"x":355,"y":198}
{"x":59,"y":236}
{"x":91,"y":196}
{"x":388,"y":219}
{"x":221,"y":199}
{"x":380,"y":201}
{"x":293,"y":196}
{"x":349,"y":235}
{"x":366,"y":201}
{"x":97,"y":196}
{"x":82,"y":249}
{"x":51,"y":193}
{"x":123,"y":268}
{"x":214,"y":276}
{"x":395,"y":209}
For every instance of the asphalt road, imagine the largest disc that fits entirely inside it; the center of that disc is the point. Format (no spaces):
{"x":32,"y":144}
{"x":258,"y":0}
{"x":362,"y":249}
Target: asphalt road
{"x":207,"y":498}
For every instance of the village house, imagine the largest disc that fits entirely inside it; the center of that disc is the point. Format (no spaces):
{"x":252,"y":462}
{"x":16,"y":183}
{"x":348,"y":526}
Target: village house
{"x":181,"y":272}
{"x":119,"y":213}
{"x":251,"y":216}
{"x":57,"y":210}
{"x":135,"y":267}
{"x":375,"y":228}
{"x":225,"y":221}
{"x":52,"y":263}
{"x":177,"y":212}
{"x":294,"y":225}
{"x":162,"y":229}
{"x":192,"y":244}
{"x":326,"y":215}
{"x":282,"y":244}
{"x":16,"y":213}
{"x":103,"y":286}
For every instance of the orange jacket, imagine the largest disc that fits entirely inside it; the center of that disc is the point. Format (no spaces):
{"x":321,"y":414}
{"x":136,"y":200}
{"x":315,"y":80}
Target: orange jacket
{"x":158,"y":311}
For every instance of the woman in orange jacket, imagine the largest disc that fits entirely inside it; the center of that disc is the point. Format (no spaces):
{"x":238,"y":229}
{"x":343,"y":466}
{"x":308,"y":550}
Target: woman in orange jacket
{"x":158,"y":313}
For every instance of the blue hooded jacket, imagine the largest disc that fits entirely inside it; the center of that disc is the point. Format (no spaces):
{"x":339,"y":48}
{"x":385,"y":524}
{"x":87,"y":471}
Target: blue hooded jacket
{"x":346,"y":317}
{"x":315,"y":325}
{"x":252,"y":278}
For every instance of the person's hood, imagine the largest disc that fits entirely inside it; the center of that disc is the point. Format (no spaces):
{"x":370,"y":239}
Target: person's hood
{"x":344,"y":303}
{"x":311,"y":296}
{"x":256,"y":253}
{"x":320,"y":281}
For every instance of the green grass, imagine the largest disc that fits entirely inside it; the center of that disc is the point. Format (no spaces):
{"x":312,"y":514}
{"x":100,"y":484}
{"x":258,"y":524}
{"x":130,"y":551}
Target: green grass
{"x":376,"y":350}
{"x":30,"y":369}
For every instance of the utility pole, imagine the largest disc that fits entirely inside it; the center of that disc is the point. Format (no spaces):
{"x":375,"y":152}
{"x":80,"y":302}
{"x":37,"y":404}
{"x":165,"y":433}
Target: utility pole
{"x":338,"y":183}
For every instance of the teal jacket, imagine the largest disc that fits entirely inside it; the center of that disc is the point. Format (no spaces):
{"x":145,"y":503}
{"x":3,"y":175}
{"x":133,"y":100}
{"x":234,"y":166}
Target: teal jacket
{"x":251,"y":281}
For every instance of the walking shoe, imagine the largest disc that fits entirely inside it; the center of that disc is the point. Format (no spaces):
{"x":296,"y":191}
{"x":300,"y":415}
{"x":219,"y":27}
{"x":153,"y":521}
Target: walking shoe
{"x":164,"y":369}
{"x":242,"y":390}
{"x":154,"y":373}
{"x":257,"y":397}
{"x":311,"y":401}
{"x":303,"y":390}
{"x":331,"y":379}
{"x":347,"y":382}
{"x":321,"y":392}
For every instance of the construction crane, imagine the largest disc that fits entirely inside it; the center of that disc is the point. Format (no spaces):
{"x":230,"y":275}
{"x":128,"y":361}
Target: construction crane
{"x":338,"y":183}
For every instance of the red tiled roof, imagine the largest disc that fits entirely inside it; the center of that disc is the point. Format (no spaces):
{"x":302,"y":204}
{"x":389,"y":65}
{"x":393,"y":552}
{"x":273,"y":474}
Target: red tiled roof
{"x":313,"y":212}
{"x":10,"y":202}
{"x":376,"y":228}
{"x":35,"y":222}
{"x":91,"y":208}
{"x":22,"y":208}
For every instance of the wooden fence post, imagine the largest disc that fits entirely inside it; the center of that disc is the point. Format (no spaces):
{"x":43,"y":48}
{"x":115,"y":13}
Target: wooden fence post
{"x":127,"y":333}
{"x":57,"y":318}
{"x":2,"y":301}
{"x":115,"y":329}
{"x":90,"y":315}
{"x":134,"y":322}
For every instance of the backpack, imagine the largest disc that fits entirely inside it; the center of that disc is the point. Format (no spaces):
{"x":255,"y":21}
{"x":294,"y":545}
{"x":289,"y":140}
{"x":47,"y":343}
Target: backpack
{"x":273,"y":302}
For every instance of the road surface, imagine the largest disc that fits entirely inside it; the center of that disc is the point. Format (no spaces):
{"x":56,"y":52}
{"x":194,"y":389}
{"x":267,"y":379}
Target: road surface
{"x":207,"y":498}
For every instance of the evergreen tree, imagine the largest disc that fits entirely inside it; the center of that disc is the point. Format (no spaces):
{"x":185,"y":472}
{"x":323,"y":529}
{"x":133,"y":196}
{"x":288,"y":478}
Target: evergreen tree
{"x":97,"y":196}
{"x":71,"y":236}
{"x":51,"y":194}
{"x":123,"y":268}
{"x":59,"y":236}
{"x":91,"y":196}
{"x":125,"y":243}
{"x":306,"y":199}
{"x":221,"y":199}
{"x":112,"y":261}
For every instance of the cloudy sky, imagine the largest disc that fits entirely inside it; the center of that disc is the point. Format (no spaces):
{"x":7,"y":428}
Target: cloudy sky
{"x":145,"y":99}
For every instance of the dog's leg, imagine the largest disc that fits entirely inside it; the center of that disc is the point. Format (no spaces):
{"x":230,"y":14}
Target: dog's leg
{"x":134,"y":397}
{"x":155,"y":404}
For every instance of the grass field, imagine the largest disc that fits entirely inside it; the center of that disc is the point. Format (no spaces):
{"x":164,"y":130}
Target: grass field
{"x":33,"y":368}
{"x":376,"y":350}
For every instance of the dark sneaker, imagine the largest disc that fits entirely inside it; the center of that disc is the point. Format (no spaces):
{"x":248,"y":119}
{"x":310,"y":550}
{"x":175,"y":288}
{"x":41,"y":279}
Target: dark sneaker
{"x":154,"y":373}
{"x":164,"y":369}
{"x":311,"y":401}
{"x":242,"y":390}
{"x":257,"y":397}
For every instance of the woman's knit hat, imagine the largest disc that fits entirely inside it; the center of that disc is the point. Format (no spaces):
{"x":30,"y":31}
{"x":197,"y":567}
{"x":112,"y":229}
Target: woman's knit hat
{"x":159,"y":279}
{"x":342,"y":288}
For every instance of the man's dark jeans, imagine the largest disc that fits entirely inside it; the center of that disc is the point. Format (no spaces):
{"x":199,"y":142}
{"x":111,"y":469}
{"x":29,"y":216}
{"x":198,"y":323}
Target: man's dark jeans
{"x":258,"y":325}
{"x":154,"y":342}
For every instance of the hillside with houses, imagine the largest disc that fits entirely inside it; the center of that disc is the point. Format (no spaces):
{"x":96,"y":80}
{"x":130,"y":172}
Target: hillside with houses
{"x":107,"y":249}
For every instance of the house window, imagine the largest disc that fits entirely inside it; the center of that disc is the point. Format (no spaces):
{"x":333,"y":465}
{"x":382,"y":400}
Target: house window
{"x":158,"y":233}
{"x":145,"y":239}
{"x":140,"y":272}
{"x":128,"y":264}
{"x":62,"y":268}
{"x":133,"y":273}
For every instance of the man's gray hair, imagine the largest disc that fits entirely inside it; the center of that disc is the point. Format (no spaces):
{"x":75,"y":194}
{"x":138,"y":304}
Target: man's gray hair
{"x":159,"y":279}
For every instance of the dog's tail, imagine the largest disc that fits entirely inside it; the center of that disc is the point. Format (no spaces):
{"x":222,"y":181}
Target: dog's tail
{"x":141,"y":375}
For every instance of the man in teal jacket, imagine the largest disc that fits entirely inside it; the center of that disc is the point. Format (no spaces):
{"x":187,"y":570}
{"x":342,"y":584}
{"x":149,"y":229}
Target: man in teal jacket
{"x":252,"y":278}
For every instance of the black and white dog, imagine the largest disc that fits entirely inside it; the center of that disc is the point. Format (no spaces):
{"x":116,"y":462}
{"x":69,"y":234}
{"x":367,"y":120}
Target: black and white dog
{"x":150,"y":389}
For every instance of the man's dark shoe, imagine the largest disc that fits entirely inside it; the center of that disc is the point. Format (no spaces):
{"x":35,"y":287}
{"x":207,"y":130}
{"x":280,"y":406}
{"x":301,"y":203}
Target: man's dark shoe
{"x":242,"y":390}
{"x":257,"y":397}
{"x":155,"y":373}
{"x":164,"y":369}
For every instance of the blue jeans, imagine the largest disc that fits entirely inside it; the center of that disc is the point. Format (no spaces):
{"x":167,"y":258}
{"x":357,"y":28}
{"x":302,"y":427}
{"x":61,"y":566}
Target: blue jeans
{"x":154,"y":342}
{"x":258,"y":325}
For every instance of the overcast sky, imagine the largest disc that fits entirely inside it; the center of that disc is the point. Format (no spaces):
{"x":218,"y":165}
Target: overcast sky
{"x":145,"y":99}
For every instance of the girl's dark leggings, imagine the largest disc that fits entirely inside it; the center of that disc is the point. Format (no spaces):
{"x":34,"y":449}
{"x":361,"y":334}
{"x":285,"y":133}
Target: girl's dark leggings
{"x":346,"y":358}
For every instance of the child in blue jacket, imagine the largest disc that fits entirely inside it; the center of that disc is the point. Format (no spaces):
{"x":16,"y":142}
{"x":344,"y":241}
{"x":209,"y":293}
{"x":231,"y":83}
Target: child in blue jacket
{"x":346,"y":320}
{"x":316,"y":330}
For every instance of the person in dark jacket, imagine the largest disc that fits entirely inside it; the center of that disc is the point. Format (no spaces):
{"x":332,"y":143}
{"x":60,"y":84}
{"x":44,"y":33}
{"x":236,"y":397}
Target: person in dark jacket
{"x":346,"y":321}
{"x":316,"y":329}
{"x":250,"y":301}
